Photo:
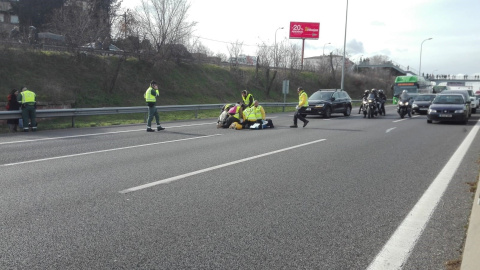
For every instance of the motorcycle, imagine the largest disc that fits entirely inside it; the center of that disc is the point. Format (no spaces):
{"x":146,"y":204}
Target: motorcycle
{"x":381,"y":106}
{"x":371,"y":107}
{"x":404,"y":107}
{"x":363,"y":107}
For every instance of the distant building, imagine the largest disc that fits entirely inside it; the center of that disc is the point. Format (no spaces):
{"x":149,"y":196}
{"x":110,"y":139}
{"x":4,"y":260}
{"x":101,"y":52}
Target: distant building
{"x":78,"y":3}
{"x":244,"y":60}
{"x":319,"y":63}
{"x":201,"y":57}
{"x":8,"y":20}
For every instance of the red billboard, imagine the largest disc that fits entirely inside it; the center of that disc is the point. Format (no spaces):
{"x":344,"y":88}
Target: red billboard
{"x":304,"y":30}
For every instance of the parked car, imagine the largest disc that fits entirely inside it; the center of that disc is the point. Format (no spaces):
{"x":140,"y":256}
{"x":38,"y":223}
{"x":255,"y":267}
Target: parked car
{"x":421,"y":103}
{"x":448,"y":108}
{"x":466,"y":97}
{"x":327,"y":101}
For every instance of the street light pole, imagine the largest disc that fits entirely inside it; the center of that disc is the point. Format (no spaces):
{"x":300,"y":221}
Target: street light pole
{"x":420,"y":66}
{"x":344,"y":46}
{"x":275,"y":49}
{"x":324,"y":47}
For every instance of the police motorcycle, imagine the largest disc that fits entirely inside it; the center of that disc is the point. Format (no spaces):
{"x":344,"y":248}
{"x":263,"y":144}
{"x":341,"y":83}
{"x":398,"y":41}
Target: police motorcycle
{"x":381,"y":102}
{"x":370,"y":106}
{"x":404,"y":106}
{"x":363,"y":106}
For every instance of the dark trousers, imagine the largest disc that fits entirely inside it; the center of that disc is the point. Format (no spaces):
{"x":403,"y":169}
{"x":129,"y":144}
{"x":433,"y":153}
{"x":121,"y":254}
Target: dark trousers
{"x":230,"y":120}
{"x":298,"y":115}
{"x":152,"y":112}
{"x":29,"y":112}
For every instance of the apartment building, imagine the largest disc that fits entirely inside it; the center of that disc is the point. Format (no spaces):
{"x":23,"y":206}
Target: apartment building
{"x":8,"y":20}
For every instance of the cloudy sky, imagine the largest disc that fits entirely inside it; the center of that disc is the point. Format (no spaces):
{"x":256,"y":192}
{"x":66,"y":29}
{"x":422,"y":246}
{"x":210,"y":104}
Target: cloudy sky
{"x":395,"y":29}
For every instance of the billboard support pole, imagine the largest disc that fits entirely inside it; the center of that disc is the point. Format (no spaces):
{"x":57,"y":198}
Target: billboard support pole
{"x":303,"y":47}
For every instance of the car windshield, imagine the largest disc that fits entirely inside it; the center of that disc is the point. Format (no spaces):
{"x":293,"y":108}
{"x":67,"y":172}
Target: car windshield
{"x":425,"y":98}
{"x":449,"y":99}
{"x":321,"y":96}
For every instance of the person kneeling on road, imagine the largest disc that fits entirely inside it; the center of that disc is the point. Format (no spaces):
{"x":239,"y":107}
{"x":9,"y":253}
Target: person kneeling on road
{"x":236,"y":115}
{"x":255,"y":117}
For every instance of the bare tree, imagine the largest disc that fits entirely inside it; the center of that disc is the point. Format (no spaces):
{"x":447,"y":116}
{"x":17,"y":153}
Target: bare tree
{"x":165,"y":23}
{"x":234,"y":50}
{"x":379,"y":59}
{"x":265,"y":58}
{"x":129,"y":34}
{"x":198,"y":47}
{"x":84,"y":23}
{"x":293,"y":56}
{"x":222,"y":56}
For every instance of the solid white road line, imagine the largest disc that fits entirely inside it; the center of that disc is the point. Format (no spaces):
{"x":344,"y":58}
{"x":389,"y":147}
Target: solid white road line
{"x":398,"y":248}
{"x":107,"y":150}
{"x":97,"y":134}
{"x":178,"y":177}
{"x":390,"y":129}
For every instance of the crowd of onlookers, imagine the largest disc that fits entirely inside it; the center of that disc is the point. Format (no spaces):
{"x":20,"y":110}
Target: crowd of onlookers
{"x":457,"y":77}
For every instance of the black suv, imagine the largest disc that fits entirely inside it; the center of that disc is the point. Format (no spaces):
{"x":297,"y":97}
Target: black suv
{"x":328,"y":101}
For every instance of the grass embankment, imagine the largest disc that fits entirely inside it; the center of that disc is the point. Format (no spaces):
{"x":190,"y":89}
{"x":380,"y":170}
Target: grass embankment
{"x":62,"y":79}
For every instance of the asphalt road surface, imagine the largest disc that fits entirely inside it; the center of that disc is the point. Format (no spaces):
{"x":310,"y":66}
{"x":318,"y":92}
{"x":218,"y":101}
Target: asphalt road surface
{"x":342,"y":193}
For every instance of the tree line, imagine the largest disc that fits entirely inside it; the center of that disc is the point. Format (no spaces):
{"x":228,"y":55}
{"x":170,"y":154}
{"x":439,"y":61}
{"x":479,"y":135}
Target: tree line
{"x":161,"y":28}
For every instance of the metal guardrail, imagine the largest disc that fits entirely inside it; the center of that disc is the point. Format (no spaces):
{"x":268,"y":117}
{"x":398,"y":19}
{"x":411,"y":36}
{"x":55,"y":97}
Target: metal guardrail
{"x":47,"y":113}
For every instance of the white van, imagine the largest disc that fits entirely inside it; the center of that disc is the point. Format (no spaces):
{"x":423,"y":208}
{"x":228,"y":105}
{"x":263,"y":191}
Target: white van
{"x":474,"y":101}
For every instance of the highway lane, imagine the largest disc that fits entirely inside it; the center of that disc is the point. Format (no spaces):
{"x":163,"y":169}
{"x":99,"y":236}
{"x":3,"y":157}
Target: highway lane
{"x":239,"y":199}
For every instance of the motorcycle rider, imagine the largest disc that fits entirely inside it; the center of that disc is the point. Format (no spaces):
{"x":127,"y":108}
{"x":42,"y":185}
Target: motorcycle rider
{"x":377,"y":99}
{"x":365,"y":95}
{"x":405,"y":97}
{"x":383,"y":99}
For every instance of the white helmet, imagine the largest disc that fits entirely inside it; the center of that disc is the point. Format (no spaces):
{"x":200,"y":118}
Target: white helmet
{"x":404,"y":91}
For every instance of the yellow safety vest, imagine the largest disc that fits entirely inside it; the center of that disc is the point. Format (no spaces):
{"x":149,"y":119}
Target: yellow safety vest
{"x":247,"y":99}
{"x":28,"y":96}
{"x":149,"y":97}
{"x":250,"y":115}
{"x":258,"y":112}
{"x":237,"y":114}
{"x":301,"y":96}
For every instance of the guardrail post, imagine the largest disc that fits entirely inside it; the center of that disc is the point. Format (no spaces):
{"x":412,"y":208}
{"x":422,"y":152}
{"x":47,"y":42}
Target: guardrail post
{"x":73,"y":121}
{"x":196,"y":113}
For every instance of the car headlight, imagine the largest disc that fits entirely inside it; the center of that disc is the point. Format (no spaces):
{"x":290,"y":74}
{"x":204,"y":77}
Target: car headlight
{"x":319,"y":106}
{"x":459,"y":111}
{"x":415,"y":105}
{"x":432,"y":111}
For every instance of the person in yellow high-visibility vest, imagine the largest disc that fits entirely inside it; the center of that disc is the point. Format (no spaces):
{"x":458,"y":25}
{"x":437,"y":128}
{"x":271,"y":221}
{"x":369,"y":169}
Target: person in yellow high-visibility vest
{"x":247,"y":98}
{"x":236,"y":115}
{"x":254,"y":114}
{"x":249,"y":116}
{"x":151,"y":98}
{"x":301,"y":107}
{"x":29,"y":108}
